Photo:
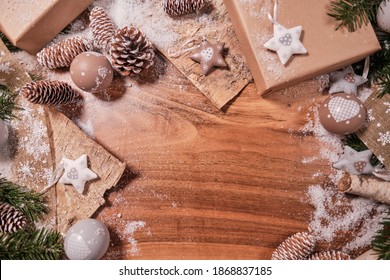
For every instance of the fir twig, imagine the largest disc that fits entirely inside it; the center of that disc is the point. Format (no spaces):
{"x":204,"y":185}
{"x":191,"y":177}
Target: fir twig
{"x":39,"y":244}
{"x":7,"y":104}
{"x":353,"y":141}
{"x":352,"y":14}
{"x":381,"y":242}
{"x":26,"y":201}
{"x":8,"y":44}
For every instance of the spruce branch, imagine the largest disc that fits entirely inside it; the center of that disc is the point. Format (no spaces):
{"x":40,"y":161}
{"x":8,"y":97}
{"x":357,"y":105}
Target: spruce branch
{"x":7,"y":104}
{"x":38,"y":244}
{"x":352,"y":14}
{"x":28,"y":202}
{"x":381,"y":241}
{"x":8,"y":44}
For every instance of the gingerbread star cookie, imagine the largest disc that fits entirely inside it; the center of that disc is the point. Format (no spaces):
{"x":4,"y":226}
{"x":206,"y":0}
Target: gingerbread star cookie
{"x":286,"y":42}
{"x":209,"y":56}
{"x":355,"y":162}
{"x":346,"y":81}
{"x":77,"y":173}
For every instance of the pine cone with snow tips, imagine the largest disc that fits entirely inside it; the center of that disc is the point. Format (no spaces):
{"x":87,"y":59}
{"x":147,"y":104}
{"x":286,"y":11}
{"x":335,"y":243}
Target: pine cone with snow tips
{"x":102,"y":28}
{"x":181,"y":7}
{"x":131,"y":51}
{"x":297,"y":247}
{"x":62,"y":54}
{"x":49,"y":92}
{"x":11,"y":219}
{"x":330,"y":255}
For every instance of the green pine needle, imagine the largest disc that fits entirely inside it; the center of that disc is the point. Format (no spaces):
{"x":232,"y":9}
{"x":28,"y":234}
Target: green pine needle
{"x":381,"y":242}
{"x":38,"y":244}
{"x":8,"y":44}
{"x":28,"y":202}
{"x":7,"y":104}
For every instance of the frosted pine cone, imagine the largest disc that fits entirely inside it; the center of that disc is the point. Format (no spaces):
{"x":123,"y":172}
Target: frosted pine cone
{"x":11,"y":219}
{"x":131,"y":51}
{"x":62,"y":54}
{"x":330,"y":255}
{"x":102,"y":28}
{"x":297,"y":247}
{"x":49,"y":92}
{"x":181,"y":7}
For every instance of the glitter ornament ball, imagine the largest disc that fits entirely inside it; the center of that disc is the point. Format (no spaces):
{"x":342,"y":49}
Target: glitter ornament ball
{"x":87,"y":240}
{"x":3,"y":133}
{"x":342,"y":113}
{"x":91,"y":71}
{"x":383,"y":16}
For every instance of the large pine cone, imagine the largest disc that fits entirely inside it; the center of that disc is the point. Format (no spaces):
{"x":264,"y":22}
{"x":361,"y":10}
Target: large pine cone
{"x":330,"y":255}
{"x":11,"y":219}
{"x":297,"y":247}
{"x":49,"y":92}
{"x":62,"y":54}
{"x":131,"y":51}
{"x":181,"y":7}
{"x":102,"y":28}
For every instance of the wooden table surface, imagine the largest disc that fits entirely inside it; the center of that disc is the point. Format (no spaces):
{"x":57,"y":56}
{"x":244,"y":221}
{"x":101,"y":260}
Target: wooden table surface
{"x":203,"y":183}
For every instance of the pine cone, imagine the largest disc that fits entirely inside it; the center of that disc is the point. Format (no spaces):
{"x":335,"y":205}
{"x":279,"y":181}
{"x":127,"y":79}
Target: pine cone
{"x":62,"y":54}
{"x":131,"y":51}
{"x":330,"y":255}
{"x":181,"y":7}
{"x":102,"y":28}
{"x":297,"y":247}
{"x":49,"y":92}
{"x":11,"y":219}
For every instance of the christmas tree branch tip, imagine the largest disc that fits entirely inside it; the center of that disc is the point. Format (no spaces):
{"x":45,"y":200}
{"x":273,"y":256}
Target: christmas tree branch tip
{"x":7,"y":104}
{"x":381,"y":242}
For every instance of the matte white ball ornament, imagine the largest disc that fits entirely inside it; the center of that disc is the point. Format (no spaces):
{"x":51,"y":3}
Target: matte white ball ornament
{"x":383,"y":16}
{"x":87,"y":240}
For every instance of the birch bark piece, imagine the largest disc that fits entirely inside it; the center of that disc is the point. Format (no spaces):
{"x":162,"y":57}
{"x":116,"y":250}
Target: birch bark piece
{"x":368,"y":255}
{"x":366,"y":186}
{"x":221,"y":85}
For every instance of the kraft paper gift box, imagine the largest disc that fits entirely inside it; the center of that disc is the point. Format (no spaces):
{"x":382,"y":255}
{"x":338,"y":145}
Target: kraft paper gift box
{"x":30,"y":25}
{"x":328,"y":49}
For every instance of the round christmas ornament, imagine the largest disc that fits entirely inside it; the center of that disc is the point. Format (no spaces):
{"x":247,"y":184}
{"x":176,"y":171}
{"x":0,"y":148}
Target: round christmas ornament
{"x":91,"y":71}
{"x":3,"y":133}
{"x":383,"y":16}
{"x":342,"y":113}
{"x":87,"y":240}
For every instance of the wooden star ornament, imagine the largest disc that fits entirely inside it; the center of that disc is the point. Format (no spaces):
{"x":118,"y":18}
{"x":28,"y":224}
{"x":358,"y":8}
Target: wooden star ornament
{"x":77,"y":173}
{"x":209,"y":56}
{"x":355,"y":162}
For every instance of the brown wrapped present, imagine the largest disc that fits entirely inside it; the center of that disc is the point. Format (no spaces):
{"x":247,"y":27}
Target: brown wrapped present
{"x":30,"y":25}
{"x":328,"y":49}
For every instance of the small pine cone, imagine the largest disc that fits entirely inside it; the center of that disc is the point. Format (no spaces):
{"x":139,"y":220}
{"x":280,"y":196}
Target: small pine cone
{"x":102,"y":28}
{"x":62,"y":54}
{"x":176,"y":8}
{"x":297,"y":247}
{"x":131,"y":51}
{"x":11,"y":219}
{"x":49,"y":92}
{"x":330,"y":255}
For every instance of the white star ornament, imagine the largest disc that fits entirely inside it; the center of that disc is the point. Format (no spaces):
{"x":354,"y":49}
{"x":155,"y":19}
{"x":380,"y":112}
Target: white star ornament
{"x":355,"y":162}
{"x":346,"y":81}
{"x":286,"y":42}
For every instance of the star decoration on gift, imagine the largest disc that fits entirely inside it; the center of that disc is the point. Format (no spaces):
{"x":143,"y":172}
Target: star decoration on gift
{"x":346,"y":81}
{"x":286,"y":42}
{"x":77,"y":173}
{"x":355,"y":162}
{"x":209,"y":56}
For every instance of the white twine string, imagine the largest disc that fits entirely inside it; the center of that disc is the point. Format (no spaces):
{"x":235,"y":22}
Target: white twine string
{"x":366,"y":67}
{"x":55,"y":177}
{"x":274,"y":18}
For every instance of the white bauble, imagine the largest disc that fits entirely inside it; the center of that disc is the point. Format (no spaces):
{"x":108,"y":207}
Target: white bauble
{"x":87,"y":240}
{"x":383,"y":16}
{"x":3,"y":133}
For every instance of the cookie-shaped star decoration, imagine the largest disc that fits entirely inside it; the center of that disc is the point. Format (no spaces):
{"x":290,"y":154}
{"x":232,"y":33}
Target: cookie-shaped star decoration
{"x":209,"y":56}
{"x":286,"y":42}
{"x":346,"y":81}
{"x":77,"y":173}
{"x":355,"y":162}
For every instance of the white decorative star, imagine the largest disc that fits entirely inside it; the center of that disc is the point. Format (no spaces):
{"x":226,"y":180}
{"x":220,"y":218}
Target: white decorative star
{"x":345,"y":81}
{"x":286,"y":42}
{"x":355,"y":162}
{"x":77,"y":173}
